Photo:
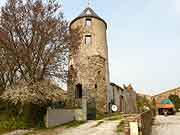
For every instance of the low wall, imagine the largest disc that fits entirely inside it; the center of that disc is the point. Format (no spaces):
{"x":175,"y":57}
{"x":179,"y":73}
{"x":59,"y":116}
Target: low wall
{"x":80,"y":115}
{"x":55,"y":117}
{"x":143,"y":122}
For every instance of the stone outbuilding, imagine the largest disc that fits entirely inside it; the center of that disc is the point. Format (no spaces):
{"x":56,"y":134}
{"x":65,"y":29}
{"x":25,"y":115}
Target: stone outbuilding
{"x":124,"y":98}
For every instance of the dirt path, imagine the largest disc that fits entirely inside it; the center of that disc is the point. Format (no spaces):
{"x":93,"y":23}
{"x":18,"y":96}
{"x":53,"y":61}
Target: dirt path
{"x":90,"y":128}
{"x":169,"y":125}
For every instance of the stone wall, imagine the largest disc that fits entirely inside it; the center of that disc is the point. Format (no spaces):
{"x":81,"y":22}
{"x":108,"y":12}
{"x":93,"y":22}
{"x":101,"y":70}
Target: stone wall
{"x":144,"y":123}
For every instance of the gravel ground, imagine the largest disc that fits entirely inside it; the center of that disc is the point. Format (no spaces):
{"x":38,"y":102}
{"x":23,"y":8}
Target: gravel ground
{"x":169,"y":125}
{"x":106,"y":128}
{"x":18,"y":132}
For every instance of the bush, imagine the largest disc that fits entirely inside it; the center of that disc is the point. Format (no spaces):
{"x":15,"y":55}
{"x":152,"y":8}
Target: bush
{"x":21,"y":118}
{"x":8,"y":124}
{"x":120,"y":126}
{"x":176,"y":101}
{"x":14,"y":122}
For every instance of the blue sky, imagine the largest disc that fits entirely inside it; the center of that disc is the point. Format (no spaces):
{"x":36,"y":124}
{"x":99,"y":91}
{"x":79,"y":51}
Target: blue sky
{"x":143,"y":40}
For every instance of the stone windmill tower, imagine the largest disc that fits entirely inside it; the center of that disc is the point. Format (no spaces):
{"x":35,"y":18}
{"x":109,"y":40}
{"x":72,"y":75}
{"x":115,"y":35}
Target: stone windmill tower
{"x":88,"y":70}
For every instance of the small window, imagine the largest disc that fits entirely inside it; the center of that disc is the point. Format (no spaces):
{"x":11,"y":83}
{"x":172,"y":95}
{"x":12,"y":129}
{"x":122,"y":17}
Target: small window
{"x":88,"y":12}
{"x":71,"y":61}
{"x":88,"y":22}
{"x":78,"y":93}
{"x":88,"y":39}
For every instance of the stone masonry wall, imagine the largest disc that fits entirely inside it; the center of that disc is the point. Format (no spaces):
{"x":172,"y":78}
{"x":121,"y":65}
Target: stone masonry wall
{"x":97,"y":80}
{"x":91,"y":75}
{"x":90,"y":66}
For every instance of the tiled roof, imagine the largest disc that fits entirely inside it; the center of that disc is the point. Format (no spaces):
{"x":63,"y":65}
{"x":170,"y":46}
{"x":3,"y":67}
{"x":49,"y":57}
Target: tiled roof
{"x":113,"y":84}
{"x":168,"y":91}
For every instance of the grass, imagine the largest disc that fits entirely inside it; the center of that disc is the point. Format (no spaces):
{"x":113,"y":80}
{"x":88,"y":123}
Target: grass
{"x":114,"y":116}
{"x":40,"y":132}
{"x":100,"y":116}
{"x":51,"y":131}
{"x":74,"y":124}
{"x":120,"y":127}
{"x":2,"y":131}
{"x":9,"y":122}
{"x":99,"y":123}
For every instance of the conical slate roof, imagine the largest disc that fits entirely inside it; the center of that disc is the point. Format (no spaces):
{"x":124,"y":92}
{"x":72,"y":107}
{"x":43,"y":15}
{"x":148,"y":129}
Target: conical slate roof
{"x":88,"y":12}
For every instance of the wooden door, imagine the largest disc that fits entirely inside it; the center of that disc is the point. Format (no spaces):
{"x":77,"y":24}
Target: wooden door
{"x":121,"y":103}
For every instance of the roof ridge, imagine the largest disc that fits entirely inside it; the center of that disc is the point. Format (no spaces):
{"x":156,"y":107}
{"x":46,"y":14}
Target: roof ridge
{"x":177,"y":88}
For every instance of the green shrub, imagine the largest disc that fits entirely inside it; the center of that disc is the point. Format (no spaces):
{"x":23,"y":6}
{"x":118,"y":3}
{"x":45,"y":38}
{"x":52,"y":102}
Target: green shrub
{"x":8,"y":124}
{"x":18,"y":122}
{"x":100,"y":116}
{"x":18,"y":117}
{"x":120,"y":127}
{"x":176,"y":101}
{"x":99,"y":123}
{"x":74,"y":124}
{"x":113,"y":118}
{"x":11,"y":119}
{"x":115,"y":115}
